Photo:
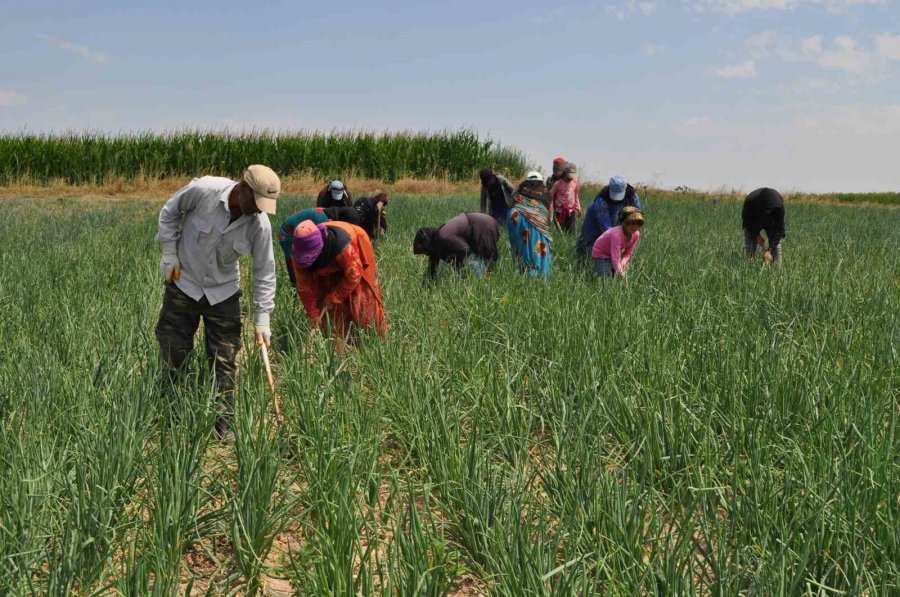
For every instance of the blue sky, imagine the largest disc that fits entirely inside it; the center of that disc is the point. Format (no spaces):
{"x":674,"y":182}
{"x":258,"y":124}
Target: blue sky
{"x":797,"y":94}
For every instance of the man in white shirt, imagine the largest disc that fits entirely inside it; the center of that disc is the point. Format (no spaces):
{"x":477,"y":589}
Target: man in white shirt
{"x":203,"y":229}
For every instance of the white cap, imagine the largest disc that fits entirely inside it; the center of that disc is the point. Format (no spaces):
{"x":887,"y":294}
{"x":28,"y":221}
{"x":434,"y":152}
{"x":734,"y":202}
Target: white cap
{"x":266,"y":186}
{"x":534,"y":175}
{"x":337,"y":189}
{"x":617,"y":187}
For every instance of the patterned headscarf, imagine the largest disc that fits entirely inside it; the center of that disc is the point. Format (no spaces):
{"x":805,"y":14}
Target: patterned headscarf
{"x":308,"y":241}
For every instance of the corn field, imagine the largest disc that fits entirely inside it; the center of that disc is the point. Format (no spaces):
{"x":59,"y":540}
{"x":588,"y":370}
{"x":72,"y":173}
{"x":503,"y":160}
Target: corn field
{"x":85,"y":157}
{"x":717,"y":428}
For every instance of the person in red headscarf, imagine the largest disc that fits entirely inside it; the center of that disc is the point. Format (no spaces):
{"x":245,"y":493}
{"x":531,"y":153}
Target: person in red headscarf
{"x":559,"y":167}
{"x":566,"y":204}
{"x":337,"y":279}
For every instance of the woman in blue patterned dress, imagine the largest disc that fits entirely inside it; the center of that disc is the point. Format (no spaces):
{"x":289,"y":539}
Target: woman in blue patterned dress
{"x":529,"y":226}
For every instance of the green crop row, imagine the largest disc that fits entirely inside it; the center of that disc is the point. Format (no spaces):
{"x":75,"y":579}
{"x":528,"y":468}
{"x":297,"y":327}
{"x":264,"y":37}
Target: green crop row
{"x":718,"y":427}
{"x":86,"y":157}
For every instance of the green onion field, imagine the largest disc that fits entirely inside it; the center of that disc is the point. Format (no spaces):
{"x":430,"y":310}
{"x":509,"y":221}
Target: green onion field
{"x":717,"y":428}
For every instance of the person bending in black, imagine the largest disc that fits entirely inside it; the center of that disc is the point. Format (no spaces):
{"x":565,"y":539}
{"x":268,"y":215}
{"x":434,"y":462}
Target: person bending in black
{"x":763,"y":210}
{"x":469,"y":239}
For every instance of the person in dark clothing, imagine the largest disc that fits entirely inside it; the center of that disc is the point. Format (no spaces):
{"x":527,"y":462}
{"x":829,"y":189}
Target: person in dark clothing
{"x":604,"y":212}
{"x":495,"y":194}
{"x":763,"y":210}
{"x":372,"y":214}
{"x":343,"y":214}
{"x":469,"y":238}
{"x":334,"y":194}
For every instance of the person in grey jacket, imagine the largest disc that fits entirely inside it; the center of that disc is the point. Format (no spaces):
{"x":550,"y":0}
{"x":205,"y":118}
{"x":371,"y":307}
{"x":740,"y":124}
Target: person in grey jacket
{"x":203,"y":229}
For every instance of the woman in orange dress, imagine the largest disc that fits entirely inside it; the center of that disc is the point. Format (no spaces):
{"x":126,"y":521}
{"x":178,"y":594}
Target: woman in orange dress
{"x":337,"y":279}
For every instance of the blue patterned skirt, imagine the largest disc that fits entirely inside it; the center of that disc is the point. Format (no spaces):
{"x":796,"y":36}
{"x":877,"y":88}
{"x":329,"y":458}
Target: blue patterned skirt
{"x":529,"y":245}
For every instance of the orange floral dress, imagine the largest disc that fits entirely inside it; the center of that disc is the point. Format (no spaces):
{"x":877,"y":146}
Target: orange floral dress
{"x":345,"y":291}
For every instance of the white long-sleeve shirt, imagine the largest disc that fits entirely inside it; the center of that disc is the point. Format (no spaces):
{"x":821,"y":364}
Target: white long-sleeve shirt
{"x":194,"y":223}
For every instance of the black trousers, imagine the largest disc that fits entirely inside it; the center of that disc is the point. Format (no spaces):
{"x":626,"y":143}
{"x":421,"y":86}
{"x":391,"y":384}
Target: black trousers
{"x":567,"y":223}
{"x":179,"y":319}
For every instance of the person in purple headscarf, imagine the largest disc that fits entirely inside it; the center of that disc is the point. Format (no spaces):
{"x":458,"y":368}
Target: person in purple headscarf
{"x":337,"y":279}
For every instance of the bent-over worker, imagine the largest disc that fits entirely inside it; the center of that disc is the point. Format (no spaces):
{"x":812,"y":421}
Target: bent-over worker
{"x":763,"y":210}
{"x":337,"y":279}
{"x":468,"y":238}
{"x":496,"y":192}
{"x":317,"y":215}
{"x":335,"y":193}
{"x":605,"y":211}
{"x":373,"y":214}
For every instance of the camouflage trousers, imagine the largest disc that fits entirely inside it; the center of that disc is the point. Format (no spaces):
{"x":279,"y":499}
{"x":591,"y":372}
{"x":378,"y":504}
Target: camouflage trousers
{"x":179,"y":319}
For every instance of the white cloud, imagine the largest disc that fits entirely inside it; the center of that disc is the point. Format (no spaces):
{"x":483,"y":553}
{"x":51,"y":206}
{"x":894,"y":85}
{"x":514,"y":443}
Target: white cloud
{"x":742,"y":70}
{"x":811,"y":46}
{"x":617,"y":12}
{"x":839,"y":6}
{"x":888,"y":46}
{"x":11,"y":98}
{"x":647,"y":8}
{"x":762,"y":44}
{"x":694,"y":124}
{"x":843,"y":54}
{"x":864,"y":120}
{"x":809,"y":145}
{"x":83,"y":51}
{"x":734,"y":7}
{"x":652,"y":49}
{"x":880,"y":120}
{"x":810,"y":86}
{"x":620,"y":11}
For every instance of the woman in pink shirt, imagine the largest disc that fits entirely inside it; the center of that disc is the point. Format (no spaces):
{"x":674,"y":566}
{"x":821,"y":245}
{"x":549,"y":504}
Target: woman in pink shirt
{"x":613,"y":249}
{"x":566,"y":202}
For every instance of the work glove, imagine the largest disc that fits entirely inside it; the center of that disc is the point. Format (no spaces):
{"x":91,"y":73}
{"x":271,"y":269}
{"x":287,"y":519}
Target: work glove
{"x":170,"y":267}
{"x":263,"y":335}
{"x":263,"y":331}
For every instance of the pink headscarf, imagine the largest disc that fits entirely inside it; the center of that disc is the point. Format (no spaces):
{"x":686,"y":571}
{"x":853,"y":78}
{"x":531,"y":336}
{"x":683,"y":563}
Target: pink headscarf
{"x":308,"y":242}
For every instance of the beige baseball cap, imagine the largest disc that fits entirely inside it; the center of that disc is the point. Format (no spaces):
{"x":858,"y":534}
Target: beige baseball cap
{"x":266,"y":186}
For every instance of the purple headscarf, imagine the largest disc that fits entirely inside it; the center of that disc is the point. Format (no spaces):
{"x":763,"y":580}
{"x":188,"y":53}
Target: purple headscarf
{"x":308,"y":241}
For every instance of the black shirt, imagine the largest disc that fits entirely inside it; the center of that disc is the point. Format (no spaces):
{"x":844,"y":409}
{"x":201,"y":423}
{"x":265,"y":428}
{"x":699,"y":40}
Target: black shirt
{"x":755,"y":219}
{"x":468,"y":233}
